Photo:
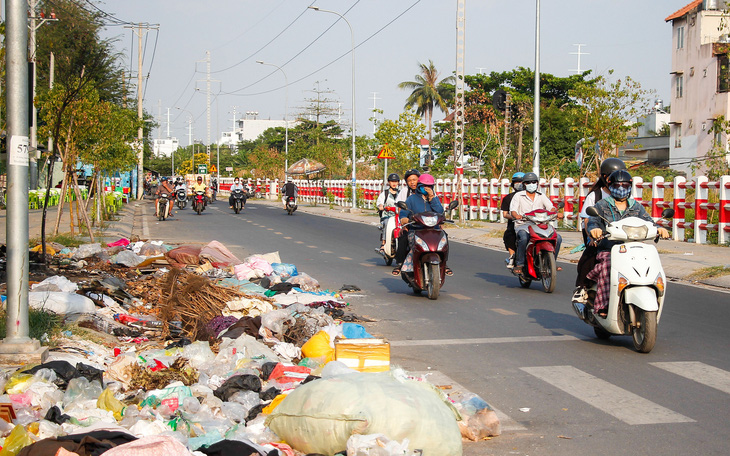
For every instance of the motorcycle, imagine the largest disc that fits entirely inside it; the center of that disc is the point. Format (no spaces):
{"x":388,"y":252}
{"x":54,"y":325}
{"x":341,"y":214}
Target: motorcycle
{"x":637,"y":284}
{"x":249,"y":192}
{"x":392,"y":231}
{"x":162,"y":202}
{"x":199,"y":202}
{"x":429,"y":253}
{"x":239,"y":199}
{"x":291,"y":205}
{"x":540,"y":261}
{"x":181,"y":197}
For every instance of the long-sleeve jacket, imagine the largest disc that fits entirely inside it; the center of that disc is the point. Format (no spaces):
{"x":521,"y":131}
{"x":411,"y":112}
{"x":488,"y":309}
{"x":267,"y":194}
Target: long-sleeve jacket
{"x":607,"y":209}
{"x":417,"y":203}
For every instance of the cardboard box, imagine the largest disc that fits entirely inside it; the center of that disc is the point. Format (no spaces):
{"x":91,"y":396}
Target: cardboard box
{"x":363,"y":355}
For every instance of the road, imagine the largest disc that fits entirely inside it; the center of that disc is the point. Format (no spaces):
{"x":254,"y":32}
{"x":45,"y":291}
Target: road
{"x":557,"y":389}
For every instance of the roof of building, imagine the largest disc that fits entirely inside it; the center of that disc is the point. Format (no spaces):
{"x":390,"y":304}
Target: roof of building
{"x":683,"y":11}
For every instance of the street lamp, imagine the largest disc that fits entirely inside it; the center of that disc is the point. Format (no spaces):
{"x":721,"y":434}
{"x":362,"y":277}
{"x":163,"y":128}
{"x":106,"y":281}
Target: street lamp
{"x":536,"y":128}
{"x":286,"y":112}
{"x":354,"y":156}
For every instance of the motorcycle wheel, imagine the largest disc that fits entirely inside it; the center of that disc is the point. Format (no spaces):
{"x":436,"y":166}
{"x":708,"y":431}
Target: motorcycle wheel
{"x":236,"y":207}
{"x":415,"y":289}
{"x":180,"y":205}
{"x":548,"y":271}
{"x":645,"y":334}
{"x":198,"y":208}
{"x":524,"y":283}
{"x":601,"y":333}
{"x":162,"y":212}
{"x":434,"y":280}
{"x":388,"y":261}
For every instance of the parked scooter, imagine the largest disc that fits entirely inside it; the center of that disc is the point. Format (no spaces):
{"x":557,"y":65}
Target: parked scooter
{"x":199,"y":202}
{"x":540,"y":261}
{"x":430,"y":252}
{"x":239,"y":199}
{"x":162,"y":203}
{"x":637,"y":284}
{"x":181,"y":197}
{"x":391,"y":232}
{"x":250,"y":193}
{"x":291,"y":205}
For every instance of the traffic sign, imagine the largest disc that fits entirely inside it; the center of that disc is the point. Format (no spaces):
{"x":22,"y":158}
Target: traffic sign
{"x":213,"y":169}
{"x":229,"y":168}
{"x":386,"y":153}
{"x":202,"y":169}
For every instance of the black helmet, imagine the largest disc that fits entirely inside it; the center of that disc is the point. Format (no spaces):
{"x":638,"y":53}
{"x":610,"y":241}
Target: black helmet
{"x":412,"y":172}
{"x":620,"y":175}
{"x":393,"y":177}
{"x":610,"y":165}
{"x":530,"y":177}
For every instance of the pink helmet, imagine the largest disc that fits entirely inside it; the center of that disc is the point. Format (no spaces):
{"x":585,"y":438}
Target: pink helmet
{"x":426,"y":179}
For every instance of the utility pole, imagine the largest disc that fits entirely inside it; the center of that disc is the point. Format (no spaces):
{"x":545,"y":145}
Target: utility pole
{"x":579,"y":54}
{"x":208,"y":82}
{"x":17,"y":347}
{"x":536,"y":128}
{"x":375,"y":120}
{"x":459,"y":120}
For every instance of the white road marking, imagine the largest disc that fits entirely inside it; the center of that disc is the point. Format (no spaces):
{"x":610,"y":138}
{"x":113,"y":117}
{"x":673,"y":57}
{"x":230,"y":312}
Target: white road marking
{"x":699,"y":372}
{"x":287,"y":237}
{"x":345,"y":258}
{"x":327,"y":251}
{"x":486,"y":340}
{"x":504,"y":311}
{"x":458,"y":296}
{"x":617,"y":402}
{"x":367,"y":265}
{"x":278,"y":232}
{"x":312,"y":247}
{"x":299,"y":242}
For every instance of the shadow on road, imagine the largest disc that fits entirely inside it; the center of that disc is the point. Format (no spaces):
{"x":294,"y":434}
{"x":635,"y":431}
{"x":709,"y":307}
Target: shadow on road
{"x":507,"y":281}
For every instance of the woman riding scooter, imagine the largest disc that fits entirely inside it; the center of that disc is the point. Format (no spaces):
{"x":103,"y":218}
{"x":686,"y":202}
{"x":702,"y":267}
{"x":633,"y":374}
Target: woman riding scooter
{"x":423,"y":200}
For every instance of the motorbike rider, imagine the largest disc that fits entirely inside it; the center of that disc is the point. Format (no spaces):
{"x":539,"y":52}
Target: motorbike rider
{"x":423,"y":200}
{"x":411,"y":177}
{"x":289,"y":189}
{"x":510,"y":237}
{"x":387,"y":198}
{"x":199,"y":186}
{"x":587,"y":260}
{"x":214,"y":189}
{"x":617,"y":206}
{"x":525,"y":201}
{"x":236,"y":186}
{"x":164,"y":187}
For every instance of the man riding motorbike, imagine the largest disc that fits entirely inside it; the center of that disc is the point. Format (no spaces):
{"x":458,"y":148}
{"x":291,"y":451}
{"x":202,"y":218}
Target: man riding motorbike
{"x":199,"y":186}
{"x":236,"y":186}
{"x":387,"y":198}
{"x":617,"y":206}
{"x":510,"y":237}
{"x":289,"y":189}
{"x":423,"y":200}
{"x":164,"y":187}
{"x":525,"y":201}
{"x":587,"y":260}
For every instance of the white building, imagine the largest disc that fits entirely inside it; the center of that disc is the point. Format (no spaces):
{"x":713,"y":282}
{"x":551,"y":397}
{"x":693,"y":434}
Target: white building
{"x":653,"y":122}
{"x":165,"y":146}
{"x":700,"y":82}
{"x":250,"y":128}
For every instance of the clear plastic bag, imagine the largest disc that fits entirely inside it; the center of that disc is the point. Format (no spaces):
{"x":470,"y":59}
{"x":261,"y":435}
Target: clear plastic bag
{"x":305,"y":282}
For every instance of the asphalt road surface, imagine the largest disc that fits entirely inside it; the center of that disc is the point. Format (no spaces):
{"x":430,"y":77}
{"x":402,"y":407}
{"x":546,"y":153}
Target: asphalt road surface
{"x":557,"y":389}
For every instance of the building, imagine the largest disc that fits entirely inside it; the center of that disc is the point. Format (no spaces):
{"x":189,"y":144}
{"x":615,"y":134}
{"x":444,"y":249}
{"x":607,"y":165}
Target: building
{"x":648,"y":145}
{"x":250,"y":128}
{"x":700,"y":83}
{"x":165,"y":147}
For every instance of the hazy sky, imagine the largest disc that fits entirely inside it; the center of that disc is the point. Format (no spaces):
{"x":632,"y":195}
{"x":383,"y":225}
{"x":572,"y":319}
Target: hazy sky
{"x":392,"y":37}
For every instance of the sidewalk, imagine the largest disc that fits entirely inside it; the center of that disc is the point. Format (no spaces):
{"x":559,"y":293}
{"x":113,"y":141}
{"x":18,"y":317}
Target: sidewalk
{"x":681,"y":260}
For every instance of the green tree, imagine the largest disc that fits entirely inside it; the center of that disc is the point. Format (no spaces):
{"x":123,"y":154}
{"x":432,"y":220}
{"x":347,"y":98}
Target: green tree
{"x":403,"y":136}
{"x":428,"y":92}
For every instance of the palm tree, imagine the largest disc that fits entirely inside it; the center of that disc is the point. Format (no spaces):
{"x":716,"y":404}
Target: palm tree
{"x":427,"y":92}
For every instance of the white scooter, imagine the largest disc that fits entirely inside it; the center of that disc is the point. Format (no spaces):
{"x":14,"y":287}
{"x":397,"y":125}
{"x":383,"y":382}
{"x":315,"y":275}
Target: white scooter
{"x":637,"y":284}
{"x":391,"y":230}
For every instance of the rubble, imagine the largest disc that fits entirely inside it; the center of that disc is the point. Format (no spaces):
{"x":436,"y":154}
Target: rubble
{"x":190,"y":349}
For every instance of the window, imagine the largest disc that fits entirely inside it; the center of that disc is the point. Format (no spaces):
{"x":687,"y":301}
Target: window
{"x":680,"y":37}
{"x":680,"y":86}
{"x":678,"y":135}
{"x":723,"y":73}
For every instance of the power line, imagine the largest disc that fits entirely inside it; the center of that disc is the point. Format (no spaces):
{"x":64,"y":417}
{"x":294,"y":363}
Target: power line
{"x":250,"y":28}
{"x":152,"y":61}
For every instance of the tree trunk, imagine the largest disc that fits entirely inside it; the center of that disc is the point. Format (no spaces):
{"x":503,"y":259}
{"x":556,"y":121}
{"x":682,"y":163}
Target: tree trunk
{"x":82,"y":209}
{"x":429,"y":119}
{"x":49,"y":182}
{"x":520,"y":130}
{"x":61,"y":202}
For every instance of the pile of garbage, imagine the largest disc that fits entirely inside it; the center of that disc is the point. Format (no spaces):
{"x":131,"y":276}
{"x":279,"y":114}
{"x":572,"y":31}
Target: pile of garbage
{"x":198,"y":352}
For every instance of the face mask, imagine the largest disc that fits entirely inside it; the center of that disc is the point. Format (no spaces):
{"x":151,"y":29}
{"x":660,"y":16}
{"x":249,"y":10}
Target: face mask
{"x":619,"y":193}
{"x":532,"y":188}
{"x":518,"y":186}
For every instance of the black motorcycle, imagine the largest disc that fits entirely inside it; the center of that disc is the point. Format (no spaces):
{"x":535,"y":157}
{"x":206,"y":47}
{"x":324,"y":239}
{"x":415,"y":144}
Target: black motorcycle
{"x":239,"y":200}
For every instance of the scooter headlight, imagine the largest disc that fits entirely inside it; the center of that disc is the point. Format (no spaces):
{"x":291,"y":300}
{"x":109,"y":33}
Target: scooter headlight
{"x":422,"y":244}
{"x":659,"y":284}
{"x":636,"y":233}
{"x":430,"y":220}
{"x":623,"y":282}
{"x":442,"y":242}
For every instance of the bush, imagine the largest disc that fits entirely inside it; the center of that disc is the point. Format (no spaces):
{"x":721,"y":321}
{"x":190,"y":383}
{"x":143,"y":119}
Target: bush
{"x":40,"y":322}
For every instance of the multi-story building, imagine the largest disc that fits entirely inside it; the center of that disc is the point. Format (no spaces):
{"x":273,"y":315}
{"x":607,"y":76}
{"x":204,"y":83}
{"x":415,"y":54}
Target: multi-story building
{"x":700,"y":83}
{"x":250,"y":127}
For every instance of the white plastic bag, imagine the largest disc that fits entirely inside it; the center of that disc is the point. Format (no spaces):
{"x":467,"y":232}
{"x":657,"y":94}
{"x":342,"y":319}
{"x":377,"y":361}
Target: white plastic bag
{"x":56,"y":283}
{"x":375,"y":445}
{"x":60,"y":302}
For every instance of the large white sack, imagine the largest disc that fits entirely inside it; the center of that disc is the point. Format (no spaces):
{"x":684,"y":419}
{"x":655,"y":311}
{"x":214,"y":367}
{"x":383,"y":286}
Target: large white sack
{"x":320,"y":416}
{"x":60,"y":302}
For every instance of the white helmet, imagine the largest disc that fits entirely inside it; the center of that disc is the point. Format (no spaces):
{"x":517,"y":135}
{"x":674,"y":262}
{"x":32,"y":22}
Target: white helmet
{"x":289,"y":179}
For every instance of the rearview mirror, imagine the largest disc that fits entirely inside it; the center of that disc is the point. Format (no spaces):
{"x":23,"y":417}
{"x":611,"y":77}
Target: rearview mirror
{"x":402,"y":205}
{"x":561,"y":204}
{"x":453,"y":205}
{"x":592,"y":211}
{"x":668,"y":213}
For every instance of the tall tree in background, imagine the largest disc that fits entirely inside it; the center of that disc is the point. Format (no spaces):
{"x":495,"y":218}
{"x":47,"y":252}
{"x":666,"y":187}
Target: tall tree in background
{"x":428,"y":92}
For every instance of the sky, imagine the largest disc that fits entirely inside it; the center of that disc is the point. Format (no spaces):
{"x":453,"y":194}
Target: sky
{"x":391,"y":37}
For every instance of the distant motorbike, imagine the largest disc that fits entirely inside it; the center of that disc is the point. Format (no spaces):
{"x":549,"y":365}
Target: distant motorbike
{"x":637,"y":284}
{"x":162,"y":202}
{"x":181,"y":197}
{"x":540,"y":261}
{"x":249,"y":192}
{"x":239,"y":199}
{"x":199,"y":202}
{"x":291,"y":205}
{"x":429,"y":253}
{"x":391,"y":232}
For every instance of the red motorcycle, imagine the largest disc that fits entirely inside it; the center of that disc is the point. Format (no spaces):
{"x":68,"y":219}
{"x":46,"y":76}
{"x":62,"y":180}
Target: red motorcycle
{"x":199,"y":202}
{"x":429,"y":253}
{"x":540,"y":252}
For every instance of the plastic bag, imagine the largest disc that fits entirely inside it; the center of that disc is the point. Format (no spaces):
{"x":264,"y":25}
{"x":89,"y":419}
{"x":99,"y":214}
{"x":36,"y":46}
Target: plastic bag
{"x":152,"y":250}
{"x":19,"y":382}
{"x":375,"y":445}
{"x":355,"y":331}
{"x":108,"y":402}
{"x":86,"y":250}
{"x":320,"y":416}
{"x":215,"y":252}
{"x":56,"y":283}
{"x":127,"y":258}
{"x":16,"y":441}
{"x":319,"y":346}
{"x":60,"y":302}
{"x":284,"y":270}
{"x":305,"y":282}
